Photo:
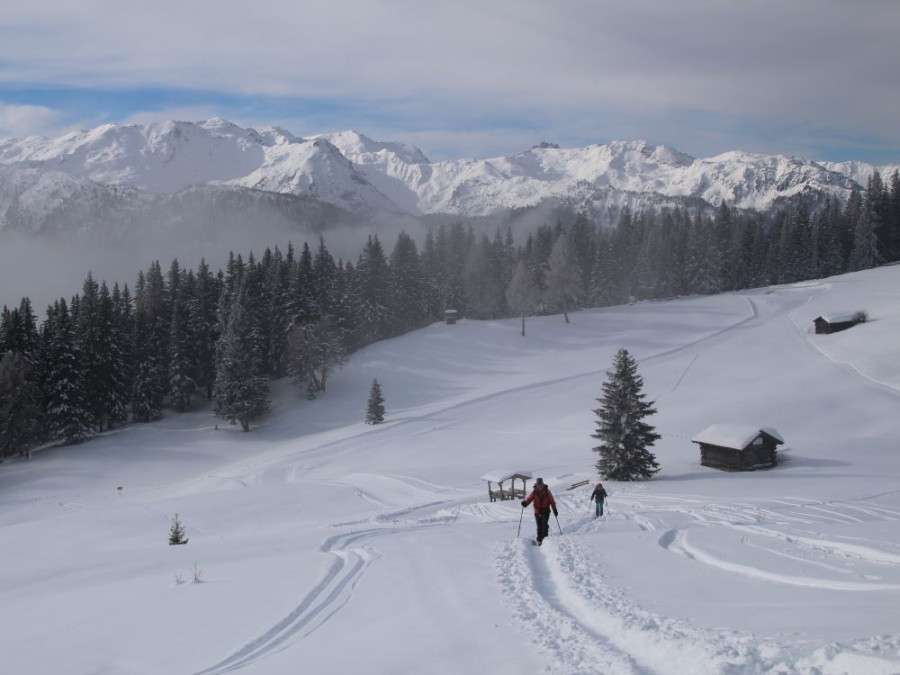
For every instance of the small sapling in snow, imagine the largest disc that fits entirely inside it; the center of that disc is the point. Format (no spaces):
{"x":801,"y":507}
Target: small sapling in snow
{"x":176,"y":533}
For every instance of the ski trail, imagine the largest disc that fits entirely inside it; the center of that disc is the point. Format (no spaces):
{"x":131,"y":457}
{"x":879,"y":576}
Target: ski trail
{"x":329,"y":596}
{"x":353,"y":556}
{"x":585,"y":626}
{"x":560,"y":594}
{"x":677,"y":542}
{"x":571,"y":647}
{"x":856,"y":551}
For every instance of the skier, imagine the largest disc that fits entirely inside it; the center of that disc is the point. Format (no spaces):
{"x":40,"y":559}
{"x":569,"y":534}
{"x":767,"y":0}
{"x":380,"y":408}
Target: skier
{"x":598,"y":496}
{"x":543,"y":503}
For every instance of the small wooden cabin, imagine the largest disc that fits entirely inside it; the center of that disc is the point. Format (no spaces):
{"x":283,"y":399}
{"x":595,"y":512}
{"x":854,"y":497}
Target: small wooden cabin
{"x":511,"y":491}
{"x":738,"y":447}
{"x":836,"y":322}
{"x":450,"y":316}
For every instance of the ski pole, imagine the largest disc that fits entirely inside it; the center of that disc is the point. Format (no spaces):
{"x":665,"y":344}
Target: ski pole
{"x":519,"y":531}
{"x":557,"y":522}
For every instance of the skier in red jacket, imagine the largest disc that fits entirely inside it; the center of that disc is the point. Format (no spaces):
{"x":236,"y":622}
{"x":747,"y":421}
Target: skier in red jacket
{"x":543,"y":504}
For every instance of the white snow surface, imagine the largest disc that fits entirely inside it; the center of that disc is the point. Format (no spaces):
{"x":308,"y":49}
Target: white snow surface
{"x":355,"y":172}
{"x":322,"y":544}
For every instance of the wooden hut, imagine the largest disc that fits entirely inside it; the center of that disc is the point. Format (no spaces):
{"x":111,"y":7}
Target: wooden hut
{"x":738,"y":447}
{"x":511,"y":491}
{"x":836,"y":322}
{"x":450,"y":316}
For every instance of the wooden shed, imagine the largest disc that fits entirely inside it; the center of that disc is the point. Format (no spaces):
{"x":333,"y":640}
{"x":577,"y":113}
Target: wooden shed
{"x":836,"y":322}
{"x":738,"y":447}
{"x":511,"y":491}
{"x":450,"y":316}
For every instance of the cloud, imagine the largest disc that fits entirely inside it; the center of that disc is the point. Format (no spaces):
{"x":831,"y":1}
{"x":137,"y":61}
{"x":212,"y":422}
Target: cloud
{"x":187,"y":113}
{"x":27,"y":120}
{"x":579,"y":68}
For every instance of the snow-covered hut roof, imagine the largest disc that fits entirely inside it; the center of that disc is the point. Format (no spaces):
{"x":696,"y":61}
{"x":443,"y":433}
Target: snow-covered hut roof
{"x":838,"y":317}
{"x":501,"y":476}
{"x":737,"y":436}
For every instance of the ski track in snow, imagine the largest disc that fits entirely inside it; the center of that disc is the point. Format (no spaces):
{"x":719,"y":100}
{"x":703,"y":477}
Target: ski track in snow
{"x":583,"y":625}
{"x":353,"y":554}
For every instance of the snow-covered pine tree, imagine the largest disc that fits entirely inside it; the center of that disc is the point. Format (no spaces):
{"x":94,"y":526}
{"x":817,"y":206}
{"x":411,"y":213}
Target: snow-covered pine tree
{"x":181,"y":361}
{"x":314,"y":351}
{"x":241,"y":390}
{"x":624,"y":436}
{"x":406,"y":286}
{"x":148,"y":383}
{"x":20,"y":393}
{"x":864,"y":252}
{"x":374,"y":318}
{"x":176,"y":533}
{"x":375,"y":406}
{"x":116,"y":318}
{"x":20,"y":408}
{"x":521,"y":294}
{"x":66,"y":412}
{"x":563,"y":276}
{"x":483,"y":286}
{"x":204,"y":327}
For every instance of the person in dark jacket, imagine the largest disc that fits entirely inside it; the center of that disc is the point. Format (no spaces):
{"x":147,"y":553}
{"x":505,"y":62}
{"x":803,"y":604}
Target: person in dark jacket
{"x":543,"y":504}
{"x":598,"y":496}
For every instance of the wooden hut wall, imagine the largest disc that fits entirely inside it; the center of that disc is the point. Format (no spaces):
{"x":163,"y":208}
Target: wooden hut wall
{"x":717,"y":457}
{"x":759,"y":456}
{"x":729,"y":459}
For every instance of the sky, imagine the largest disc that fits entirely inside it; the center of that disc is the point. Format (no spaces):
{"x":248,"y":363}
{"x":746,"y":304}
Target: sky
{"x":318,"y":543}
{"x":815,"y":78}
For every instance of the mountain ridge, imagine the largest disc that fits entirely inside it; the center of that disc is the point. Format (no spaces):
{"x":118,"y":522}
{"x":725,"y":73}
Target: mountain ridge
{"x":358,"y":174}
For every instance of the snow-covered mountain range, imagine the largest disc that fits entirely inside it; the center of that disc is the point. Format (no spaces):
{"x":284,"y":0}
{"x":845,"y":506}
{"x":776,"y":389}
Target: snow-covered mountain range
{"x":131,"y":166}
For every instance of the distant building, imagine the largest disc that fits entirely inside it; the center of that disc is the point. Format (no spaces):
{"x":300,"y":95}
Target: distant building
{"x":738,"y":447}
{"x":450,"y":316}
{"x":835,"y":322}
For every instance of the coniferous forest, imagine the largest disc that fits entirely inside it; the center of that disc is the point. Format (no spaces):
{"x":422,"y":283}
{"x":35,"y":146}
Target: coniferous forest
{"x":108,"y":356}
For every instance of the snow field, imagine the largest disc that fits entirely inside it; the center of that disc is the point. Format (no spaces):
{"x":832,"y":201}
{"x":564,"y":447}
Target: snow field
{"x":331,"y":545}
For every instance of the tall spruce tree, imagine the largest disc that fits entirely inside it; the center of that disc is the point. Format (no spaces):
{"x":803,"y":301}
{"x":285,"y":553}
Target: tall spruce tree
{"x":148,"y":385}
{"x":522,"y":294}
{"x":375,"y":405}
{"x":406,"y":286}
{"x":20,"y":391}
{"x":121,"y":353}
{"x":563,"y":276}
{"x":182,"y":365}
{"x":625,"y":438}
{"x":483,"y":286}
{"x":241,"y":390}
{"x":65,"y":403}
{"x":20,"y":409}
{"x":374,"y":319}
{"x":204,"y":327}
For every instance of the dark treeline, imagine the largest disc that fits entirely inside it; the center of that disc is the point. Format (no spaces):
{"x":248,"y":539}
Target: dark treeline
{"x":108,"y":356}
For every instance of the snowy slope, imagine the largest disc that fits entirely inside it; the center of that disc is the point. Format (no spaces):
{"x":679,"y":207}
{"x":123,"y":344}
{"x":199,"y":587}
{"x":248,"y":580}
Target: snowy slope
{"x":327,"y":545}
{"x":354,"y":172}
{"x":860,"y":172}
{"x":172,"y":156}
